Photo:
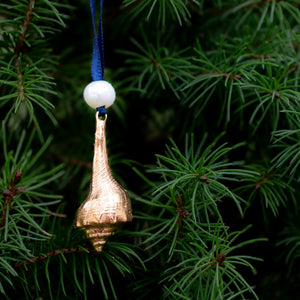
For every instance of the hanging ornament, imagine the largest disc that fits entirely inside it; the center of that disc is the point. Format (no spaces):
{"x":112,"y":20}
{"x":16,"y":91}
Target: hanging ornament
{"x":107,"y":204}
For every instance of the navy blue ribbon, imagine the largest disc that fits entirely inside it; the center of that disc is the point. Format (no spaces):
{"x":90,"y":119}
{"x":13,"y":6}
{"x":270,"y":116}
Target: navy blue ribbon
{"x":97,"y":68}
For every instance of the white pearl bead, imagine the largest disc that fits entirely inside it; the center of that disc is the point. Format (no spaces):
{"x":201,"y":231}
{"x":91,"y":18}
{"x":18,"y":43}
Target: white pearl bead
{"x":99,"y":93}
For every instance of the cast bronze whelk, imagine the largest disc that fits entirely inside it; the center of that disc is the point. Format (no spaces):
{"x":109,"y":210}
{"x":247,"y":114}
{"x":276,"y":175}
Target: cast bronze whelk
{"x":107,"y":204}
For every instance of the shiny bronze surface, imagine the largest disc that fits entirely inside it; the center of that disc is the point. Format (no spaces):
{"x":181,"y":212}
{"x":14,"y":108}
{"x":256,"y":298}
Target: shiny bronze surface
{"x":107,"y":203}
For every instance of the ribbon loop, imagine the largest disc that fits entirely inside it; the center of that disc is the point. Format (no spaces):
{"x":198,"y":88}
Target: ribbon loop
{"x":101,"y":110}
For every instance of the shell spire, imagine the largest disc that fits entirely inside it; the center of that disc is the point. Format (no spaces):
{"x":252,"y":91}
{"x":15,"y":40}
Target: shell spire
{"x":107,"y":204}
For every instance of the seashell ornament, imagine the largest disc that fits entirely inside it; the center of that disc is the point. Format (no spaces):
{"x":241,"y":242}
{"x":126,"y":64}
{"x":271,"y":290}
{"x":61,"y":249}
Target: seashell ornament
{"x":107,"y":204}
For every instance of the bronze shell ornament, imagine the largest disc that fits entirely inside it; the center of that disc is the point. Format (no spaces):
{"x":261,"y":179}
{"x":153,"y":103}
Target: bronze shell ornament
{"x":107,"y":204}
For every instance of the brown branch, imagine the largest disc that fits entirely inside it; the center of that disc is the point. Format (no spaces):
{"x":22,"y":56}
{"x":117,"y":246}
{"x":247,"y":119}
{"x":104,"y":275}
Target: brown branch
{"x":224,"y":75}
{"x":57,"y":214}
{"x":20,"y":48}
{"x":219,"y":260}
{"x":262,"y":56}
{"x":45,"y":256}
{"x":9,"y":195}
{"x":203,"y":178}
{"x":181,"y":213}
{"x":263,"y":181}
{"x":8,"y":200}
{"x":232,"y":77}
{"x":45,"y":232}
{"x":156,"y":65}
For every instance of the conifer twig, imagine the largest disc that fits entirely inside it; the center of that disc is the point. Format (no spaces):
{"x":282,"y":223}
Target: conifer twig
{"x":52,"y":213}
{"x":224,"y":75}
{"x":9,"y":195}
{"x":181,"y":213}
{"x":249,"y":5}
{"x":20,"y":47}
{"x":56,"y":252}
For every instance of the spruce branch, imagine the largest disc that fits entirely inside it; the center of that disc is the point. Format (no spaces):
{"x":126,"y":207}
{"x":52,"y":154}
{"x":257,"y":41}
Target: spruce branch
{"x":287,"y":160}
{"x":182,"y":213}
{"x":210,"y":271}
{"x":78,"y":268}
{"x":19,"y":49}
{"x":24,"y":29}
{"x":211,"y":64}
{"x":9,"y":195}
{"x":199,"y":170}
{"x":188,"y":196}
{"x":25,"y":75}
{"x":54,"y":253}
{"x":271,"y":187}
{"x":162,"y":68}
{"x":57,"y":214}
{"x":246,"y":5}
{"x":267,"y":10}
{"x":178,"y":10}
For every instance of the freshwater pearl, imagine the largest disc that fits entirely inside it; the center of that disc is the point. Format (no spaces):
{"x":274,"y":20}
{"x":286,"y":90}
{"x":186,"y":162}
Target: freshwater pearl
{"x":99,"y":93}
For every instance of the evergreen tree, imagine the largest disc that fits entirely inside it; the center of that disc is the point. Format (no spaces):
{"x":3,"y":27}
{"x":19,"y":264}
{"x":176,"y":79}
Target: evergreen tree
{"x":204,"y":135}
